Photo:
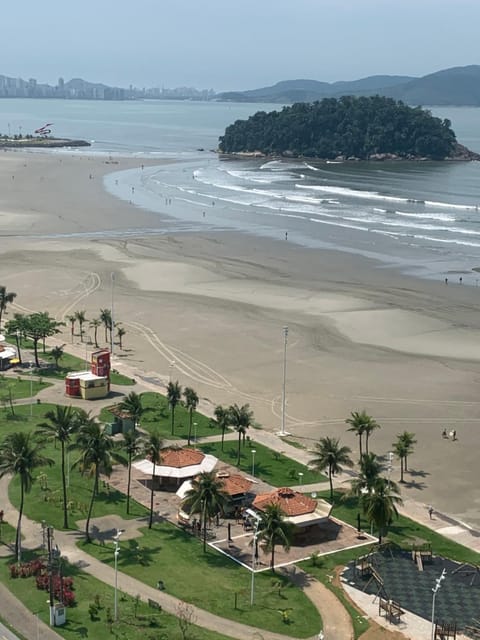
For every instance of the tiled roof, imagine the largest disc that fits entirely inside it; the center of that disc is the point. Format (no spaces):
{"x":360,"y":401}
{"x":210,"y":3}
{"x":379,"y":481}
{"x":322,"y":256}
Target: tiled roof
{"x":292,"y":503}
{"x":179,"y":458}
{"x":123,"y":415}
{"x":234,"y":484}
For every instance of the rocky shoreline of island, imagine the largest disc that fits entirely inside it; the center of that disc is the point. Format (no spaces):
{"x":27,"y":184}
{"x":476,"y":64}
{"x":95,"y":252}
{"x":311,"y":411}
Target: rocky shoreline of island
{"x":40,"y":143}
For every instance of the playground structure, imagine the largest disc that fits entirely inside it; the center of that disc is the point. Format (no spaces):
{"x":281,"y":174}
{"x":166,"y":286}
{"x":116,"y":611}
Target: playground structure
{"x":467,"y":570}
{"x":445,"y":631}
{"x":422,"y":554}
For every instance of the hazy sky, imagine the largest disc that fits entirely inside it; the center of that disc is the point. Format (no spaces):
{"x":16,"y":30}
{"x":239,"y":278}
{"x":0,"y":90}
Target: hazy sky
{"x":226,"y":44}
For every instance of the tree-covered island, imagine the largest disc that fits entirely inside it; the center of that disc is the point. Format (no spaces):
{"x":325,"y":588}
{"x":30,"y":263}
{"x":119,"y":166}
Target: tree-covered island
{"x":353,"y":128}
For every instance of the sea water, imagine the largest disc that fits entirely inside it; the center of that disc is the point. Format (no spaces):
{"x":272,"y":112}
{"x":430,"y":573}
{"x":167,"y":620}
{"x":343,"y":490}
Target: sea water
{"x":422,"y":217}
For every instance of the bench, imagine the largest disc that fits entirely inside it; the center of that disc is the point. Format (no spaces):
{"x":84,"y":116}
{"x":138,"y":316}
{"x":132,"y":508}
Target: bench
{"x":392,"y":609}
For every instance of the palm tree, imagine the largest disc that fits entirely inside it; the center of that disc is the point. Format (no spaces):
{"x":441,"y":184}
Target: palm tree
{"x":97,"y":454}
{"x":240,"y":418}
{"x":72,"y":319}
{"x":370,"y":469}
{"x":120,"y":333}
{"x":222,"y":417}
{"x":153,"y":448}
{"x":174,"y":394}
{"x":95,"y":323}
{"x":191,"y":403}
{"x":132,"y":405}
{"x":361,"y":424}
{"x":81,"y":318}
{"x":20,"y":455}
{"x":207,"y":498}
{"x":57,"y":353}
{"x":408,"y":440}
{"x":330,"y":455}
{"x":401,"y":451}
{"x":133,"y":445}
{"x":274,"y":530}
{"x":6,"y":298}
{"x":63,"y":423}
{"x":380,"y":506}
{"x":106,"y":319}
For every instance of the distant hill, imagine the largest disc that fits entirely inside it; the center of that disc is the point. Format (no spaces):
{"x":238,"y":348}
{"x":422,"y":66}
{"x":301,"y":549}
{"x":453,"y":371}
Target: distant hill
{"x":459,"y":86}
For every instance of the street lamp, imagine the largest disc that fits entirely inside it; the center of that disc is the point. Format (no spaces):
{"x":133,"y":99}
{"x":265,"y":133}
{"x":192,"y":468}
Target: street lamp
{"x":282,"y":432}
{"x":300,"y":477}
{"x":438,"y":584}
{"x":390,"y":467}
{"x":116,"y":541}
{"x":195,"y":433}
{"x":170,"y":370}
{"x":112,"y":331}
{"x":31,"y":389}
{"x":253,"y":461}
{"x":257,"y":518}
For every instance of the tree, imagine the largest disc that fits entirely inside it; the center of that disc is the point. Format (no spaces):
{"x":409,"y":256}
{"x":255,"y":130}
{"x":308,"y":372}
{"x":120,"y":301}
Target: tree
{"x":153,"y":447}
{"x":191,"y":403}
{"x":62,"y":425}
{"x":361,"y":424}
{"x":95,"y":323}
{"x":274,"y":530}
{"x":97,"y":454}
{"x":380,"y":506}
{"x":120,"y":333}
{"x":133,"y":445}
{"x":331,"y":456}
{"x":16,"y":328}
{"x":174,"y":395}
{"x":132,"y":405}
{"x":38,"y":326}
{"x":6,"y":298}
{"x":240,"y":419}
{"x":20,"y":455}
{"x":370,"y":469}
{"x":401,"y":451}
{"x":81,"y":318}
{"x":72,"y":319}
{"x":408,"y":440}
{"x":106,"y":319}
{"x":57,"y":353}
{"x":222,"y":417}
{"x":207,"y":498}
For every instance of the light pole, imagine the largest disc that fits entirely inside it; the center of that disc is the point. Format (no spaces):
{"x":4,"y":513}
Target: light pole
{"x":116,"y":540}
{"x":68,"y":469}
{"x":390,"y":467}
{"x":253,"y":514}
{"x":170,"y":370}
{"x":284,"y":395}
{"x":31,"y":389}
{"x":112,"y":332}
{"x":300,"y":477}
{"x":195,"y":433}
{"x":438,"y":584}
{"x":253,"y":461}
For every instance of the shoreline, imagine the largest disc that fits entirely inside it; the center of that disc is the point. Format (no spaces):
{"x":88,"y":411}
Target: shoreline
{"x":356,"y":329}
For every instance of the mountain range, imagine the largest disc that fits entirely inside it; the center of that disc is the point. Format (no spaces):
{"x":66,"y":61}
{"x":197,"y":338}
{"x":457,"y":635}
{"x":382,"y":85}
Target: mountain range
{"x":457,"y":86}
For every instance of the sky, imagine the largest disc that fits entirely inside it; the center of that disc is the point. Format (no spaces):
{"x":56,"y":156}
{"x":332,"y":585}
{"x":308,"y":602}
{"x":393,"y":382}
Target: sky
{"x":227,"y":44}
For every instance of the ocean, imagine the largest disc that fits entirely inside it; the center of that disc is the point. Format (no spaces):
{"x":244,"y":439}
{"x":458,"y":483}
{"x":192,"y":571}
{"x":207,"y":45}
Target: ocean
{"x":420,"y":217}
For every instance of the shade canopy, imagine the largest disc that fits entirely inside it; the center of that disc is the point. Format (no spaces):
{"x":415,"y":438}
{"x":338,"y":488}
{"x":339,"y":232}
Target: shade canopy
{"x":162,"y":471}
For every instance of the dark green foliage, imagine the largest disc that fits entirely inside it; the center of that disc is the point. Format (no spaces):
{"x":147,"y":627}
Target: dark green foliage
{"x":349,"y":127}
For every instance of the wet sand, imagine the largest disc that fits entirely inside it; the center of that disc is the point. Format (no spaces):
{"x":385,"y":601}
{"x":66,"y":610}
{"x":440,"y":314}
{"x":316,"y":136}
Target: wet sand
{"x":361,"y":336}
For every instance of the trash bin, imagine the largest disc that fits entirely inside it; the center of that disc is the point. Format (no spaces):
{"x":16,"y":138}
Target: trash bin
{"x":160,"y":585}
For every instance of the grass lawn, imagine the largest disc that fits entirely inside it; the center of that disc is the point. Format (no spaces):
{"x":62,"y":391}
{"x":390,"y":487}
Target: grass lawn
{"x":270,"y":466}
{"x":20,"y":388}
{"x":137,"y":621}
{"x":158,"y":416}
{"x":7,"y":533}
{"x":212,"y":581}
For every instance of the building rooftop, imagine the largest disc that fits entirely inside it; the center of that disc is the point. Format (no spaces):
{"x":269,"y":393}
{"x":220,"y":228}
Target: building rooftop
{"x":234,"y":484}
{"x":179,"y":458}
{"x":292,"y":503}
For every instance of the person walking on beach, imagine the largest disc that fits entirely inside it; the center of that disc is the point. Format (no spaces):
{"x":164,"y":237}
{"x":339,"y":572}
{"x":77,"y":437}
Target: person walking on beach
{"x":286,"y":235}
{"x":430,"y":511}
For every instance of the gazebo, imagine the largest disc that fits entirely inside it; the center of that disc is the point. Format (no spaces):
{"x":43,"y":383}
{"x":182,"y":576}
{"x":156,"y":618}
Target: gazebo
{"x":175,"y":466}
{"x":301,"y":510}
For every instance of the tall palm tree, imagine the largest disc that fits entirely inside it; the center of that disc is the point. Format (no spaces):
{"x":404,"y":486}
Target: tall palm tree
{"x":207,"y":498}
{"x":106,"y":319}
{"x":370,"y":469}
{"x":191,"y":403}
{"x":63,"y":423}
{"x":153,"y":448}
{"x":361,"y":424}
{"x":57,"y":353}
{"x":6,"y":298}
{"x":174,"y":395}
{"x":401,"y":451}
{"x":222,"y":417}
{"x":408,"y":440}
{"x":95,"y":323}
{"x":97,"y":455}
{"x":331,"y":456}
{"x":120,"y":333}
{"x":240,"y":419}
{"x":81,"y":318}
{"x":380,"y":506}
{"x":132,"y":405}
{"x":72,"y":319}
{"x":133,"y":445}
{"x":20,"y":455}
{"x":274,"y":530}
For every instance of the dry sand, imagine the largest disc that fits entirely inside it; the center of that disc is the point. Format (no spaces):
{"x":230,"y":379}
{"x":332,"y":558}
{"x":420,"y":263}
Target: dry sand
{"x":360,"y":336}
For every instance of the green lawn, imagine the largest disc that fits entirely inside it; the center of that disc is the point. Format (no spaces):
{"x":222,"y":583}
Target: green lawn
{"x":270,"y":466}
{"x":212,"y":581}
{"x":136,"y":621}
{"x":20,"y":388}
{"x":158,"y":416}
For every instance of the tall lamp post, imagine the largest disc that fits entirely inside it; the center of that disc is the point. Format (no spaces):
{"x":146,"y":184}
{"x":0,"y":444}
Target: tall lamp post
{"x":282,"y":432}
{"x":390,"y":466}
{"x":438,"y":584}
{"x":170,"y":370}
{"x":112,"y":332}
{"x":253,"y":461}
{"x":195,"y":434}
{"x":253,"y":514}
{"x":31,"y":389}
{"x":116,"y":540}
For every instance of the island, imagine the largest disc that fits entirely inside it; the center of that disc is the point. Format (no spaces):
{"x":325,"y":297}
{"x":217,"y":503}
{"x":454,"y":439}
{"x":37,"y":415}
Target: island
{"x":42,"y":142}
{"x":347,"y":128}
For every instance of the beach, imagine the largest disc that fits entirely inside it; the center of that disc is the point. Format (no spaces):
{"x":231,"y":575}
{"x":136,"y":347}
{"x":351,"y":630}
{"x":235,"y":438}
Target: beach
{"x":208,"y":308}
